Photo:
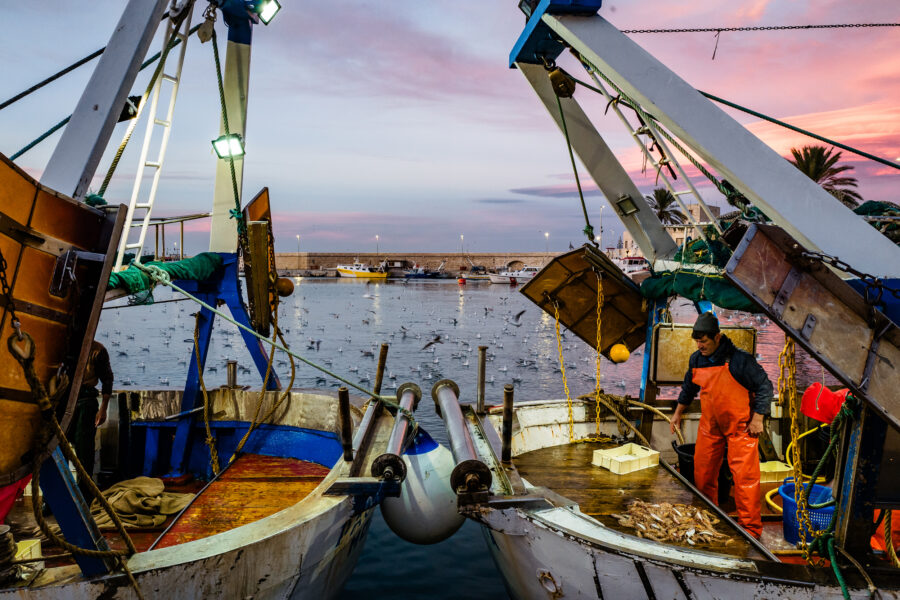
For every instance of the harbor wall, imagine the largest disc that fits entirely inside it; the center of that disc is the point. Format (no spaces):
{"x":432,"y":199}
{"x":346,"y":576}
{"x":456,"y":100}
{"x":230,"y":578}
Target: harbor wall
{"x":453,"y":262}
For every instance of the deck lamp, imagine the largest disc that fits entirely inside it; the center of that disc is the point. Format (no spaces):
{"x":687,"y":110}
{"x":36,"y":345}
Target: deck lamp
{"x":229,"y":146}
{"x":267,"y":9}
{"x":626,"y":205}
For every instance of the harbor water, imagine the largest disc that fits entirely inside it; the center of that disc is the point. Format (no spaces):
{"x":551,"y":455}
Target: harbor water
{"x":340,"y":323}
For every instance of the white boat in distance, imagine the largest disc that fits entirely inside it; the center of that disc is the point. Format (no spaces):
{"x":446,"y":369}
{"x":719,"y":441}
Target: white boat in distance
{"x":632,"y":264}
{"x":362,"y":270}
{"x":523,"y":275}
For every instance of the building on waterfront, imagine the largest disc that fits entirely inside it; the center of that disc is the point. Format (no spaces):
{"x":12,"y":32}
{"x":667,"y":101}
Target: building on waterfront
{"x":677,"y":232}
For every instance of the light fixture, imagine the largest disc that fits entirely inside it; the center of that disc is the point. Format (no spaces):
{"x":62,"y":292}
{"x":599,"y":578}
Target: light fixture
{"x":229,"y":146}
{"x":267,"y":10}
{"x":626,"y":205}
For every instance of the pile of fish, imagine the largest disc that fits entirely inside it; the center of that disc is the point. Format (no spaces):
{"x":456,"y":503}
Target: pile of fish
{"x":665,"y":522}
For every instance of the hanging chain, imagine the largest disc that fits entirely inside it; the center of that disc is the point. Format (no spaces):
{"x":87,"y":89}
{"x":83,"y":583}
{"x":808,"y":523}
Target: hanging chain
{"x":597,"y":389}
{"x":872,"y":282}
{"x":562,"y":368}
{"x":6,"y":292}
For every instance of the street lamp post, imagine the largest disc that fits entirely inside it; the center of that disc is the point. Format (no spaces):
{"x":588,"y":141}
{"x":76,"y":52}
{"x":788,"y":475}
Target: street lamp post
{"x":376,"y":245}
{"x":176,"y":250}
{"x":547,"y":240}
{"x":461,"y":247}
{"x":298,"y":253}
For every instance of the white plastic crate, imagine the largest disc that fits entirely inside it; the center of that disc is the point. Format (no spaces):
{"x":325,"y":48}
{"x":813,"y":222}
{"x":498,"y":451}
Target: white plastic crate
{"x":626,"y":459}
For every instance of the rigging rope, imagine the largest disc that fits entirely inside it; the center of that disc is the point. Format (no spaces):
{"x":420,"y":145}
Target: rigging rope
{"x":762,"y":28}
{"x":176,"y":25}
{"x":160,"y":276}
{"x":236,"y":213}
{"x":56,"y":127}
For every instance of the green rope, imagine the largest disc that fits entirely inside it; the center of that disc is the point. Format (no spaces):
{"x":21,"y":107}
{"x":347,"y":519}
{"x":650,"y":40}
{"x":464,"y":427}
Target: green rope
{"x":160,"y":276}
{"x":815,"y":136}
{"x":62,"y":123}
{"x":176,"y":24}
{"x":236,"y":214}
{"x":588,"y":230}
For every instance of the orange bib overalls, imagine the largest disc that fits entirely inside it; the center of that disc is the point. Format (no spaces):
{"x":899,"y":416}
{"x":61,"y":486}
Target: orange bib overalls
{"x":725,"y":413}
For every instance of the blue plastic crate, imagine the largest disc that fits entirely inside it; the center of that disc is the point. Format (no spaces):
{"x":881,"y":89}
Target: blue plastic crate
{"x":820,"y":517}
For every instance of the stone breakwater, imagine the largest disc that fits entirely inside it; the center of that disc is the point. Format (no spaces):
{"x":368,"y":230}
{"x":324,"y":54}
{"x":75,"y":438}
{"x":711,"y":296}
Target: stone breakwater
{"x":453,"y":262}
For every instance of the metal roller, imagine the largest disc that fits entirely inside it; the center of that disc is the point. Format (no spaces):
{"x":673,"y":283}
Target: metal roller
{"x":470,"y":474}
{"x":390,"y":465}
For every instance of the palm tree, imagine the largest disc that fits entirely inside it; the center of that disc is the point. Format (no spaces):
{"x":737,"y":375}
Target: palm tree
{"x":818,"y":163}
{"x":662,"y":202}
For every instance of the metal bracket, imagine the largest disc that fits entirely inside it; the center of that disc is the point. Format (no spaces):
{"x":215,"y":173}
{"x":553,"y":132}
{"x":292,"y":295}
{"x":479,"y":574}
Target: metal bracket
{"x":64,"y":271}
{"x":787,"y":288}
{"x":808,"y":326}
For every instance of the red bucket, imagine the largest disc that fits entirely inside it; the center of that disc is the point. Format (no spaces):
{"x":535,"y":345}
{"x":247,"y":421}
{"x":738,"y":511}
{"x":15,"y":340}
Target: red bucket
{"x":822,"y":404}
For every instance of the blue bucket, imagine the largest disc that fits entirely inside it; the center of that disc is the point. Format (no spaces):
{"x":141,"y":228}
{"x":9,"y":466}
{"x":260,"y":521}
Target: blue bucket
{"x":820,"y":517}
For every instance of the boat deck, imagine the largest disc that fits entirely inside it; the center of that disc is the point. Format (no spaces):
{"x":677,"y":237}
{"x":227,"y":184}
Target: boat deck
{"x":252,"y":488}
{"x":567,"y":470}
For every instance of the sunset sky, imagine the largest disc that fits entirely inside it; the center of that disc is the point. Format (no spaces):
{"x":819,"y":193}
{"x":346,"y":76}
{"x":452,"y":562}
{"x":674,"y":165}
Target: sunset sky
{"x":402,"y":119}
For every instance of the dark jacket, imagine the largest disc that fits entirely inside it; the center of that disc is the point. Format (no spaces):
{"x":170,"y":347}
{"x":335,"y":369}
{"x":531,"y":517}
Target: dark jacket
{"x":743,"y":367}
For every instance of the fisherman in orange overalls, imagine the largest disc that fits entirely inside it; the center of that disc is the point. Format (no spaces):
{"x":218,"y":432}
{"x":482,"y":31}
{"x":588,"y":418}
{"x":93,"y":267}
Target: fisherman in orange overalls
{"x":735,"y":395}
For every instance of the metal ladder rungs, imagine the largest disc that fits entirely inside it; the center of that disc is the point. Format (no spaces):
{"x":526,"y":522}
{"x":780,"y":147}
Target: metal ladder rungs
{"x":151,"y":163}
{"x":682,"y":192}
{"x":170,"y":78}
{"x":132,"y":246}
{"x":146,"y":205}
{"x":162,"y":122}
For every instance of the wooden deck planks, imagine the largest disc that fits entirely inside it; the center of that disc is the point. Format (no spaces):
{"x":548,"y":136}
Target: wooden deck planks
{"x":567,"y":470}
{"x":253,"y":488}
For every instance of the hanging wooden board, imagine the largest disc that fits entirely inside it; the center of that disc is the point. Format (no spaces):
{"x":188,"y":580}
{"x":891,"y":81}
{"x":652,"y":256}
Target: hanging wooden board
{"x":824,"y":315}
{"x":672,"y":346}
{"x":259,"y":261}
{"x":570,"y":280}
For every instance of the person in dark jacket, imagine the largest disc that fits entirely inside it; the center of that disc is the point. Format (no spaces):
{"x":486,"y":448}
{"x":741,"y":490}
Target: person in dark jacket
{"x":735,"y":396}
{"x":88,"y":414}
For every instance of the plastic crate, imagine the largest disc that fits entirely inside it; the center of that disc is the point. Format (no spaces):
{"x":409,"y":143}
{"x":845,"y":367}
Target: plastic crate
{"x":626,"y":459}
{"x":772,"y":471}
{"x":820,"y":518}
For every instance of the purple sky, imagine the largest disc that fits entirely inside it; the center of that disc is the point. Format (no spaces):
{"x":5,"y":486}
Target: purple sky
{"x":401,"y":118}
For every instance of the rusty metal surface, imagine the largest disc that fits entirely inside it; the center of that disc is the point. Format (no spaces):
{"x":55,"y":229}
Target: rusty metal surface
{"x":570,"y":281}
{"x":858,"y":344}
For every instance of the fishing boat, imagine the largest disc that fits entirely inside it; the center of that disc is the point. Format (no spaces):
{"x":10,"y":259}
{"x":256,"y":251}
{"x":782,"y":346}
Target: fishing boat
{"x":284,"y":481}
{"x":417,"y":272}
{"x":558,"y":485}
{"x":362,"y":270}
{"x":633,"y":265}
{"x":514,"y":277}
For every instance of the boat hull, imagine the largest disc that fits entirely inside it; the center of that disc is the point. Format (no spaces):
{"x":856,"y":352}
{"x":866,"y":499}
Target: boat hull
{"x":538,"y":561}
{"x":361,"y":274}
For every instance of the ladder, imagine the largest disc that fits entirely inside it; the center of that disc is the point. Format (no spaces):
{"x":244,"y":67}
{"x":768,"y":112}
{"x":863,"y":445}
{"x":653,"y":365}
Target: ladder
{"x":137,"y":220}
{"x":650,"y":131}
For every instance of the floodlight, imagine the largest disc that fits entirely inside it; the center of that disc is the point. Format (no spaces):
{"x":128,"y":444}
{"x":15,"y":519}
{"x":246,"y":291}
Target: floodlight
{"x":267,"y":10}
{"x":626,"y":205}
{"x":229,"y":146}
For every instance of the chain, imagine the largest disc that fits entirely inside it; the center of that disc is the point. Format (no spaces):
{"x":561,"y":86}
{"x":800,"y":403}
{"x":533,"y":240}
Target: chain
{"x":871,"y":281}
{"x":762,"y":28}
{"x":6,"y":292}
{"x":562,"y":368}
{"x":597,"y":389}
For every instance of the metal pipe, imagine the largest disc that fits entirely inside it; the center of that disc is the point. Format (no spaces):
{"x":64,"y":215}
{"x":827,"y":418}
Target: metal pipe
{"x":506,"y":447}
{"x":479,"y":387}
{"x":346,"y":427}
{"x":231,"y":371}
{"x":390,"y":465}
{"x":470,"y":473}
{"x":379,"y":370}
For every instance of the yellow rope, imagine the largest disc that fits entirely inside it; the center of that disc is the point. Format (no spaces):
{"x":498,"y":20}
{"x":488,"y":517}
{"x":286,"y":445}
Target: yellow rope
{"x":207,"y":409}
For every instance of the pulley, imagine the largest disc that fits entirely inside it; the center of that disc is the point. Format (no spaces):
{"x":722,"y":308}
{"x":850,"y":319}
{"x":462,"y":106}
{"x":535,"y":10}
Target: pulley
{"x":562,"y":83}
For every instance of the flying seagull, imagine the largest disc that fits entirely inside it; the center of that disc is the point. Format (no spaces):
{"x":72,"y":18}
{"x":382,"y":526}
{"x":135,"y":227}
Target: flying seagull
{"x":515,"y":320}
{"x":437,"y":340}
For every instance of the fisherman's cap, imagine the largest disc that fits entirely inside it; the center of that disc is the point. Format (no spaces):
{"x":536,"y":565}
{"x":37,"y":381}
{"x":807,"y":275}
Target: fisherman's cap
{"x":706,"y":324}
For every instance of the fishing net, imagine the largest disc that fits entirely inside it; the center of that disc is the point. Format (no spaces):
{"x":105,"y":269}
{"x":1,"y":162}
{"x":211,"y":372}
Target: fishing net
{"x":197,"y":268}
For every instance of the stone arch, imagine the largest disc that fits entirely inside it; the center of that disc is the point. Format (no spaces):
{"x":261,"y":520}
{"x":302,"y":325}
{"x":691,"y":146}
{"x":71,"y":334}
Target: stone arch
{"x":514,"y":265}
